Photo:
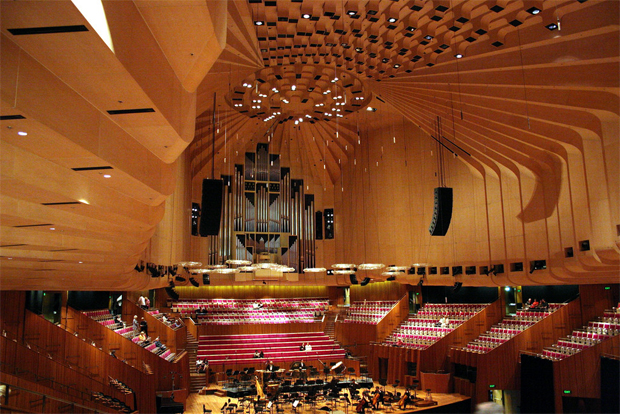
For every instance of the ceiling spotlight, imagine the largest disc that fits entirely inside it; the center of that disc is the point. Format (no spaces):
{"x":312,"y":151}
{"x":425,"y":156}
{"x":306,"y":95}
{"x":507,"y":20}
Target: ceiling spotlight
{"x":52,"y":228}
{"x":392,"y":19}
{"x":533,"y":10}
{"x":458,"y":56}
{"x":396,"y":66}
{"x":371,"y":109}
{"x":552,"y":26}
{"x":428,"y":37}
{"x":22,"y":133}
{"x":359,"y":49}
{"x":305,"y":16}
{"x":293,"y":87}
{"x":259,"y":22}
{"x":351,"y":12}
{"x":106,"y":176}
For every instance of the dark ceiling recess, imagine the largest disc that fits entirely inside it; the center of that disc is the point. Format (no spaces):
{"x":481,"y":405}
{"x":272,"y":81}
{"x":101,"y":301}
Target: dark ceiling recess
{"x":64,"y":203}
{"x":130,"y":111}
{"x":48,"y":30}
{"x":35,"y":225}
{"x":9,"y":117}
{"x":105,"y":167}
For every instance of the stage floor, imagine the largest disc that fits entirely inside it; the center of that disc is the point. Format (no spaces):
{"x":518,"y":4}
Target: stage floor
{"x":195,"y":402}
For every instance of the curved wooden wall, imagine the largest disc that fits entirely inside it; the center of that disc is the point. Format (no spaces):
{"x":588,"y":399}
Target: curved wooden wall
{"x":259,"y":328}
{"x":250,"y":292}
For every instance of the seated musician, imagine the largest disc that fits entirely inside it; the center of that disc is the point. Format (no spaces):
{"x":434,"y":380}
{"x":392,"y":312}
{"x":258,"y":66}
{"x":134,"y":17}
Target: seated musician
{"x":405,"y":399}
{"x":363,"y":402}
{"x":302,"y":365}
{"x":377,"y":398}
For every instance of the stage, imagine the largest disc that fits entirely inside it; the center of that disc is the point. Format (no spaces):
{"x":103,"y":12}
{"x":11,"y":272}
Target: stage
{"x":324,"y":402}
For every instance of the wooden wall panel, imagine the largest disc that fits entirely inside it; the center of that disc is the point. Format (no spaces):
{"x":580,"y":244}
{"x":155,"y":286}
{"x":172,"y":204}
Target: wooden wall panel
{"x":377,"y":291}
{"x":581,"y":373}
{"x":595,"y":299}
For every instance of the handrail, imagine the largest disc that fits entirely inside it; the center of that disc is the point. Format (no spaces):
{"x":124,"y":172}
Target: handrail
{"x":82,"y":407}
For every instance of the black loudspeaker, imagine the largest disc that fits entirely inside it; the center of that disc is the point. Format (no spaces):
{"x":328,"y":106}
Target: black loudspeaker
{"x":211,"y":212}
{"x":457,"y":287}
{"x":193,"y":282}
{"x":442,"y":213}
{"x":206,"y":280}
{"x":365,"y":281}
{"x":172,"y":293}
{"x":319,"y":225}
{"x":353,"y":279}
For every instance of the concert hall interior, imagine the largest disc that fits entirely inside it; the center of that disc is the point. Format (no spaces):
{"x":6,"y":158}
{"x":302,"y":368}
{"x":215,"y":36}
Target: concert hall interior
{"x":287,"y":206}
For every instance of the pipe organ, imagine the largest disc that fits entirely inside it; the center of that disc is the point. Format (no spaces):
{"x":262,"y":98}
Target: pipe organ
{"x":266,"y":212}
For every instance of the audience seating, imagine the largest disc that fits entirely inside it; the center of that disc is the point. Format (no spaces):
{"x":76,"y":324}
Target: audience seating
{"x":595,"y":332}
{"x":508,"y":328}
{"x":368,"y":312}
{"x":421,"y":330}
{"x":128,"y":333}
{"x":277,"y":347}
{"x":252,"y":311}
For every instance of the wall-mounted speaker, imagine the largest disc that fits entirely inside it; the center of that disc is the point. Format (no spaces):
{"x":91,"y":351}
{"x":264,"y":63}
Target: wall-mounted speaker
{"x":319,"y":225}
{"x":365,"y":281}
{"x":442,"y":213}
{"x":211,"y":207}
{"x":353,"y":279}
{"x":205,"y":279}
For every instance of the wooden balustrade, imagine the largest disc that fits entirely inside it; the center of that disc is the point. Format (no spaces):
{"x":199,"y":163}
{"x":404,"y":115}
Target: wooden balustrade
{"x":258,"y":328}
{"x":400,"y":360}
{"x":544,"y":333}
{"x":128,"y":351}
{"x":357,"y":337}
{"x":173,"y":338}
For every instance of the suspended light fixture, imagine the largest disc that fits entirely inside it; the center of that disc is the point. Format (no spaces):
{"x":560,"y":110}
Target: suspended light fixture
{"x":370,"y":266}
{"x":189,"y":264}
{"x":314,"y":269}
{"x":233,"y":262}
{"x":343,"y":266}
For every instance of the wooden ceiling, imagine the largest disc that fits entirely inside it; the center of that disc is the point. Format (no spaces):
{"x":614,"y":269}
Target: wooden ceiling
{"x":535,"y":84}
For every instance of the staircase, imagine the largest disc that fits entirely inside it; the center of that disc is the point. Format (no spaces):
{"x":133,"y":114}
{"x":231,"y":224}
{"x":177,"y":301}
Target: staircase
{"x":197,"y":381}
{"x":330,"y":326}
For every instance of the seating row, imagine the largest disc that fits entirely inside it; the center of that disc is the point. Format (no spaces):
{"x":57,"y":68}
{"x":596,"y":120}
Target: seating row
{"x":431,"y":323}
{"x":239,"y":349}
{"x":502,"y":332}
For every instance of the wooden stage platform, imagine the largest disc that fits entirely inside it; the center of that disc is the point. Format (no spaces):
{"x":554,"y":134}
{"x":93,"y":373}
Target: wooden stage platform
{"x":445,"y":403}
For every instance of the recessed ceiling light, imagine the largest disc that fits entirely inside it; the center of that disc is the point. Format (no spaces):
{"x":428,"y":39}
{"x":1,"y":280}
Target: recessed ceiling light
{"x":259,"y":22}
{"x":533,"y":10}
{"x":428,"y":37}
{"x":106,"y":176}
{"x":52,"y":228}
{"x":371,"y":109}
{"x":552,"y":26}
{"x":22,"y":133}
{"x":397,"y":66}
{"x":458,"y":56}
{"x":351,"y":12}
{"x":305,"y":16}
{"x":10,"y":258}
{"x":293,"y":87}
{"x":359,"y":49}
{"x":392,"y":19}
{"x":83,"y":201}
{"x":80,"y":262}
